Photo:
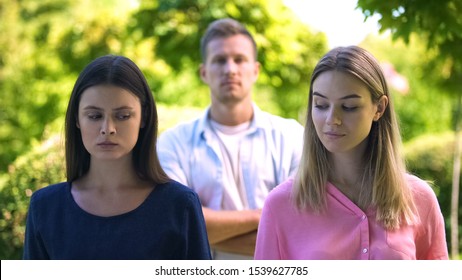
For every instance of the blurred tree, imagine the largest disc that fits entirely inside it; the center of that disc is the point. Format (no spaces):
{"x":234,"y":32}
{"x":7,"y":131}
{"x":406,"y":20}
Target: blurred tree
{"x":288,"y":50}
{"x":41,"y":166}
{"x":29,"y":86}
{"x":440,"y":23}
{"x":428,"y":156}
{"x":416,"y":91}
{"x":43,"y":46}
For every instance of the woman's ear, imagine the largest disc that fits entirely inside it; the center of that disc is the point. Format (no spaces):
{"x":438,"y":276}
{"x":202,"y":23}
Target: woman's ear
{"x":381,"y":106}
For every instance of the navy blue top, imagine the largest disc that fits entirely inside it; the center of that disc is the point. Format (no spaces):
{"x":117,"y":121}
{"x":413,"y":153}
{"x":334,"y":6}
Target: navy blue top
{"x":168,"y":225}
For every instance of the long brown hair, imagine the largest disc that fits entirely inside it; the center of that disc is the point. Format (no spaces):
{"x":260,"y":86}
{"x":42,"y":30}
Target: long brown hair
{"x":121,"y":72}
{"x":384,"y":184}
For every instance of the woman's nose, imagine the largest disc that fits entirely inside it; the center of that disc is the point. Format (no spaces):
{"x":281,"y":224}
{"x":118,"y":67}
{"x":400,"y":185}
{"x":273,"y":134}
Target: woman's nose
{"x":334,"y":117}
{"x":108,"y":127}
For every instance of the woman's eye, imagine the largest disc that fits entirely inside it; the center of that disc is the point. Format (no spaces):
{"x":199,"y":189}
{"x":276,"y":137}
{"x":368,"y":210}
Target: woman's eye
{"x":320,"y":106}
{"x":350,"y":108}
{"x":93,"y":116}
{"x":124,"y":116}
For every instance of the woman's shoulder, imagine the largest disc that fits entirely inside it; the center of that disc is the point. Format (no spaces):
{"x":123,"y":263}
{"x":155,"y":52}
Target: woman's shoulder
{"x":50,"y":191}
{"x":176,"y":190}
{"x":421,"y":189}
{"x":281,"y":194}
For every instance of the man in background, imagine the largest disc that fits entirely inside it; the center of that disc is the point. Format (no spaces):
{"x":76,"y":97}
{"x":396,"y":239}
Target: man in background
{"x":235,"y":153}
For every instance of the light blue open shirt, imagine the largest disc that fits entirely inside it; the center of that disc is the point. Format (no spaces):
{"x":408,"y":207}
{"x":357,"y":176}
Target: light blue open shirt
{"x":270,"y":153}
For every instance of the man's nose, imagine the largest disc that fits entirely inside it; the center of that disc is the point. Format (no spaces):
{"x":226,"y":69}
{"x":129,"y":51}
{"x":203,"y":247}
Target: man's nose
{"x":230,"y":66}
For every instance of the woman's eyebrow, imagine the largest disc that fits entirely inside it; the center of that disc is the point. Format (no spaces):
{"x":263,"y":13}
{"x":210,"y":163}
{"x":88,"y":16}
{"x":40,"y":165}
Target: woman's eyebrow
{"x":123,"y":108}
{"x":344,"y":97}
{"x":92,"y":107}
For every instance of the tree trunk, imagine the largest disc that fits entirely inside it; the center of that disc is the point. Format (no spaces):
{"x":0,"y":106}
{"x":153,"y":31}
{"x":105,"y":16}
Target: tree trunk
{"x":455,"y":185}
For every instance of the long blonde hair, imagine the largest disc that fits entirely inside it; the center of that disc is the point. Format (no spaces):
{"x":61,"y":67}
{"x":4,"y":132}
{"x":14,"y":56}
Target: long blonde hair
{"x":384,"y":185}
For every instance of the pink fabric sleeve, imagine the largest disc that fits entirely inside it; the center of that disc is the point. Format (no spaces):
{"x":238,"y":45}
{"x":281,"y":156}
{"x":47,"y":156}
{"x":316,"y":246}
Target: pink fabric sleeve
{"x":267,"y":240}
{"x":431,"y":239}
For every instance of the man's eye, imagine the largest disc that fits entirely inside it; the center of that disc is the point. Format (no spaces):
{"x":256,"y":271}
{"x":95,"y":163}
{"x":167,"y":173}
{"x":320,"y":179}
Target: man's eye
{"x":220,"y":60}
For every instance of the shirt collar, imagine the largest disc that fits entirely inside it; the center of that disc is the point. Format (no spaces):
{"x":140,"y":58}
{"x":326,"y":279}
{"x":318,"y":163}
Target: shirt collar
{"x":258,"y":121}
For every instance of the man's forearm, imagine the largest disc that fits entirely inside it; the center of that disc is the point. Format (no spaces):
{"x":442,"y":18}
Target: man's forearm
{"x":242,"y":244}
{"x":224,"y":225}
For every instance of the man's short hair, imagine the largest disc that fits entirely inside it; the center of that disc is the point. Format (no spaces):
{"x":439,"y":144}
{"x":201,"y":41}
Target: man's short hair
{"x":224,"y":28}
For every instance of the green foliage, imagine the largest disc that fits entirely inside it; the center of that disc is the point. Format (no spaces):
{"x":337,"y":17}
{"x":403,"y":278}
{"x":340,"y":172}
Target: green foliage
{"x":43,"y":45}
{"x":28,"y":86}
{"x":439,"y":20}
{"x":288,"y":50}
{"x":430,"y":157}
{"x":32,"y":171}
{"x":172,"y":115}
{"x":182,"y":89}
{"x":426,"y":107}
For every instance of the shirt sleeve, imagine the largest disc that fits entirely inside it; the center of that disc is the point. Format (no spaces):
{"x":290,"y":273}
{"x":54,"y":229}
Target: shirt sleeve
{"x":431,"y":240}
{"x":438,"y":248}
{"x":435,"y":240}
{"x":169,"y":153}
{"x":298,"y":148}
{"x":267,"y":247}
{"x":33,"y":244}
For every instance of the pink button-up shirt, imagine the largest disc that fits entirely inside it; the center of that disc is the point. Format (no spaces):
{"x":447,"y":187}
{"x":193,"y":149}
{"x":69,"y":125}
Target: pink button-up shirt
{"x":345,"y":231}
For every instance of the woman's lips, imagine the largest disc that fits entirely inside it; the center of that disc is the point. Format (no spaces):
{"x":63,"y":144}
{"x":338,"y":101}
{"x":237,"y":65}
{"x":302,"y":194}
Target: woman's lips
{"x":107,"y":144}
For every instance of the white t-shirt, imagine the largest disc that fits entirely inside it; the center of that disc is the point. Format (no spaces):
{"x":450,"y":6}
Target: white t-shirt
{"x":234,"y":196}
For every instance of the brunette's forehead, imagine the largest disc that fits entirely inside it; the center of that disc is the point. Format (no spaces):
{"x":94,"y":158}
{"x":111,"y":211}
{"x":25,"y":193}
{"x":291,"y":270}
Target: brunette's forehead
{"x":108,"y":97}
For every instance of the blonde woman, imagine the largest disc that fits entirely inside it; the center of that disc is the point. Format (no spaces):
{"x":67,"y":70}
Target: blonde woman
{"x":352,"y":197}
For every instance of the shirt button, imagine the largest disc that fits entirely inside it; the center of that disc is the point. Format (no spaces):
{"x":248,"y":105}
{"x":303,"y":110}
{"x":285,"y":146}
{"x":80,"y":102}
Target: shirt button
{"x":365,"y":250}
{"x":363,"y":217}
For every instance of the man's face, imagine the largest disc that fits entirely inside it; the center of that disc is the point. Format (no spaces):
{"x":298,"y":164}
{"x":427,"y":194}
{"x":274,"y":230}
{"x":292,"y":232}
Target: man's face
{"x":230,"y":69}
